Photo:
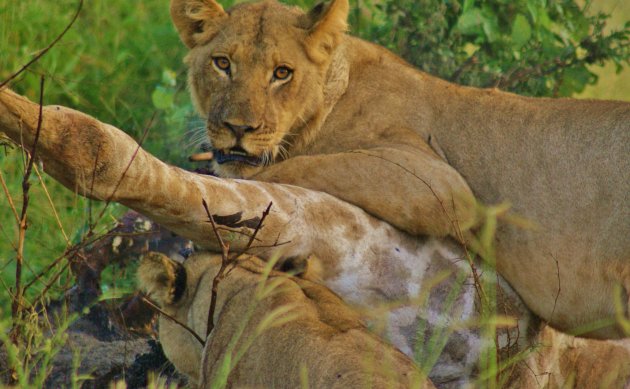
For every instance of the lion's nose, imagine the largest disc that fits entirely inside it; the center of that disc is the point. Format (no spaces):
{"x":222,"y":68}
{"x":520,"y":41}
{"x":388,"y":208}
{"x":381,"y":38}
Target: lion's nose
{"x":239,"y":130}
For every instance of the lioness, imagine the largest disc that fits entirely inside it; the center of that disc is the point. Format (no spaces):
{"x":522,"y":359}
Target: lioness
{"x":271,"y":328}
{"x":290,"y":98}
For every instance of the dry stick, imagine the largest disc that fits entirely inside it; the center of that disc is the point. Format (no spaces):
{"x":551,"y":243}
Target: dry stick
{"x":9,"y":198}
{"x":53,"y":280}
{"x":68,"y":252}
{"x":253,"y":236}
{"x":13,"y":246}
{"x":73,"y":251}
{"x":220,"y":274}
{"x":157,"y":309}
{"x":52,"y":206}
{"x":270,"y":246}
{"x":46,"y":49}
{"x":16,"y":306}
{"x":225,"y":260}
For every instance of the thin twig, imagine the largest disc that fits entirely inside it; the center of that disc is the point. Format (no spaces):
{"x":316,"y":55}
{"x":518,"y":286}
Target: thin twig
{"x":16,"y":306}
{"x":159,"y":310}
{"x":258,"y":228}
{"x":226,"y":260}
{"x":46,"y":49}
{"x":9,"y":198}
{"x":52,"y":206}
{"x":9,"y":240}
{"x":53,"y":280}
{"x":71,"y":251}
{"x":220,"y":274}
{"x":214,"y":226}
{"x":227,"y":229}
{"x":270,"y":246}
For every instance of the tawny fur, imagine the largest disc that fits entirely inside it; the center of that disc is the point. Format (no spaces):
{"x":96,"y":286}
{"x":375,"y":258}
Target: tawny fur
{"x":563,"y":361}
{"x":358,"y":124}
{"x":321,"y":334}
{"x":367,"y":128}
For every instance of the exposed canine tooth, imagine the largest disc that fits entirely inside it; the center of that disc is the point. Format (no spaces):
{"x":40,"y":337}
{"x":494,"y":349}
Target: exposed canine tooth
{"x":207,"y":156}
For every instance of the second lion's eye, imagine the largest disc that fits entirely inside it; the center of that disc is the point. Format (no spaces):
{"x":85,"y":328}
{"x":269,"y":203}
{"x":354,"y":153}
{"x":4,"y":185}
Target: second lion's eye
{"x":282,"y":73}
{"x":222,"y":63}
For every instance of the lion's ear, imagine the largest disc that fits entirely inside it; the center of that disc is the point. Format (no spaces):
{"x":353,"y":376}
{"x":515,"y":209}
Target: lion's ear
{"x":162,"y":278}
{"x":196,"y":20}
{"x":326,"y":24}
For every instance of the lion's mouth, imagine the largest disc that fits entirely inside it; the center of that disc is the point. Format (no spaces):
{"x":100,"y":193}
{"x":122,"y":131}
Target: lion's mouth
{"x":236,"y":154}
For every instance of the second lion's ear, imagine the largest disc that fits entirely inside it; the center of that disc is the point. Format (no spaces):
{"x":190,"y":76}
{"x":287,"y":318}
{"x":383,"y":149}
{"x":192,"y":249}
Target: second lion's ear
{"x":162,"y":278}
{"x":196,"y":20}
{"x":326,"y":22}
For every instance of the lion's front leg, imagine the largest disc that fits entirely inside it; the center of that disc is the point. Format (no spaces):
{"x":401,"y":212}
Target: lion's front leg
{"x":100,"y":161}
{"x":412,"y":189}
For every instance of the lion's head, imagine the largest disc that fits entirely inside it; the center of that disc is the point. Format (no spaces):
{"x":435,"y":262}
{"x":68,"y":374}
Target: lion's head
{"x":274,"y":326}
{"x":261,"y":75}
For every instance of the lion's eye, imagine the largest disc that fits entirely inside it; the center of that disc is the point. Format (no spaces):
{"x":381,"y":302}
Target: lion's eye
{"x":282,"y":73}
{"x":222,"y":63}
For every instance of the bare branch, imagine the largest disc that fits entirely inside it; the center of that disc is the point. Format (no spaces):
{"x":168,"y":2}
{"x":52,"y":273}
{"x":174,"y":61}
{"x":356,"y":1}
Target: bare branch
{"x":159,"y":310}
{"x":9,"y":198}
{"x":256,"y":230}
{"x":17,"y":308}
{"x":52,"y":206}
{"x":226,"y":260}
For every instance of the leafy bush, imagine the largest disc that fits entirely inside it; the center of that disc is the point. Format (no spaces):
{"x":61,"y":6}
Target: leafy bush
{"x":531,"y":47}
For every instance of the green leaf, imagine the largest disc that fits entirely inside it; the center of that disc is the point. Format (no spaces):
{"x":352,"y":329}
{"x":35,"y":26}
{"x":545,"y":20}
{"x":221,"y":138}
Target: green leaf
{"x":468,"y":4}
{"x":162,"y":98}
{"x":533,"y":10}
{"x":490,"y":24}
{"x":470,"y":22}
{"x":575,"y":80}
{"x":521,"y":31}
